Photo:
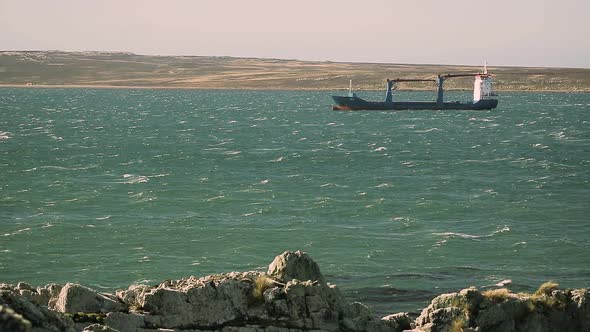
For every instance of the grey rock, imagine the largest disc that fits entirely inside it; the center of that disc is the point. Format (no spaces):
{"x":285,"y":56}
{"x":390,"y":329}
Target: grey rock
{"x":398,"y":322}
{"x":294,"y":265}
{"x":49,"y":294}
{"x":556,"y":310}
{"x":131,"y":297}
{"x":75,"y":298}
{"x":41,"y":318}
{"x":125,"y":322}
{"x":292,"y":297}
{"x":11,"y":321}
{"x":4,"y":286}
{"x":98,"y":328}
{"x":208,"y":301}
{"x":24,"y":286}
{"x":581,"y":301}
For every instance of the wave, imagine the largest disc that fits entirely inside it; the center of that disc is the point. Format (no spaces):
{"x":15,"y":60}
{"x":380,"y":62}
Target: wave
{"x":215,"y":198}
{"x":427,"y":130}
{"x":18,"y":231}
{"x":383,"y":185}
{"x":232,"y":153}
{"x":132,"y":179}
{"x":60,"y":168}
{"x":4,"y":135}
{"x":470,"y":236}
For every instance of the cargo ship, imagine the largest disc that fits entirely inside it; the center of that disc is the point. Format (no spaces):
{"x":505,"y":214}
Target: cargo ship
{"x":483,"y":96}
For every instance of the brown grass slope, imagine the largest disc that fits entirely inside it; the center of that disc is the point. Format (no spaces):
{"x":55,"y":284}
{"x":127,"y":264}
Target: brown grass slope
{"x":56,"y":68}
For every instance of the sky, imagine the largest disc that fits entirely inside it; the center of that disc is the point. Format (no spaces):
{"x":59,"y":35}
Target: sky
{"x":503,"y":32}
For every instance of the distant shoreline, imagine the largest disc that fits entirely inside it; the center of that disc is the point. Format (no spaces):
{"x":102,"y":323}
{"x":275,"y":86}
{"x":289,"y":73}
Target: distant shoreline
{"x":98,"y":70}
{"x":162,"y":87}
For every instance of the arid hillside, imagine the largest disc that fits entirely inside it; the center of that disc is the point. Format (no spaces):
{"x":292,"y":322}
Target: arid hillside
{"x":101,"y":69}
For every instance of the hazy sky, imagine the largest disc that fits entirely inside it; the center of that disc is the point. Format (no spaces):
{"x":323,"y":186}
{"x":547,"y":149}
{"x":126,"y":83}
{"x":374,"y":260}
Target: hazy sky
{"x":505,"y":32}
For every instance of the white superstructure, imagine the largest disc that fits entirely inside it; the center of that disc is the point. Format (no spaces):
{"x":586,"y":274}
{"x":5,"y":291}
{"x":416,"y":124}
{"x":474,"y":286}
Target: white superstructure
{"x":482,"y":87}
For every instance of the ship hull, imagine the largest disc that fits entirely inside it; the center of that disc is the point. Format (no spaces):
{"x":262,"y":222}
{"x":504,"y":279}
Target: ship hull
{"x":359,"y":104}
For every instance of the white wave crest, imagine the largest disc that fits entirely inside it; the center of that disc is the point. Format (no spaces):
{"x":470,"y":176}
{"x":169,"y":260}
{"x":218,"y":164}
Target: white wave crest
{"x":470,"y":236}
{"x":278,"y":160}
{"x":427,"y":130}
{"x":132,"y":179}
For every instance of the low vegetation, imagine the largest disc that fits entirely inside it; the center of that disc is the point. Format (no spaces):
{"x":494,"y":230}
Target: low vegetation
{"x":497,"y":295}
{"x":261,"y":284}
{"x":458,"y":324}
{"x":547,"y":288}
{"x":549,"y":297}
{"x":102,"y":69}
{"x":91,"y":318}
{"x":460,"y":303}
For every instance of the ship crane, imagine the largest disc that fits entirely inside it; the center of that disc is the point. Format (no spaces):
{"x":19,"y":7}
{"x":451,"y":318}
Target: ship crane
{"x":391,"y":85}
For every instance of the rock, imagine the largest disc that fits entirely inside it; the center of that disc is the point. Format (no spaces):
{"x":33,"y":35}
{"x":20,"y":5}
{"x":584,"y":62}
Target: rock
{"x":398,"y":322}
{"x":294,"y":265}
{"x":39,"y":295}
{"x":41,"y":318}
{"x":229,"y":302}
{"x":131,"y":296}
{"x":49,"y":294}
{"x":292,"y":297}
{"x":24,"y":286}
{"x":11,"y":321}
{"x":554,"y":310}
{"x":209,"y":301}
{"x":6,"y":286}
{"x":75,"y":298}
{"x":442,"y":311}
{"x":493,"y":315}
{"x":98,"y":328}
{"x":581,"y":300}
{"x":125,"y":322}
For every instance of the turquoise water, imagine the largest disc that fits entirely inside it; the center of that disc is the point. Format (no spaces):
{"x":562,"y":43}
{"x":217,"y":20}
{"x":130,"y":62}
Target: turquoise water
{"x":112,"y":187}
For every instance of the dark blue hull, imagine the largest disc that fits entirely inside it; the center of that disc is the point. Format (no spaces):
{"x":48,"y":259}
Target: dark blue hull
{"x":359,"y":104}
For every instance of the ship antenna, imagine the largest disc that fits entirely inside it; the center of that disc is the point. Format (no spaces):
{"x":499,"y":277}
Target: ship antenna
{"x":350,"y":86}
{"x":485,"y":67}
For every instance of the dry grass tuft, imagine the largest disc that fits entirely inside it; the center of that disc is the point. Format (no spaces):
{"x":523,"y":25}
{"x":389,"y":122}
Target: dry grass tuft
{"x":546,"y":297}
{"x":460,"y":303}
{"x":497,"y":295}
{"x":547,"y":288}
{"x":261,"y":284}
{"x":458,"y":324}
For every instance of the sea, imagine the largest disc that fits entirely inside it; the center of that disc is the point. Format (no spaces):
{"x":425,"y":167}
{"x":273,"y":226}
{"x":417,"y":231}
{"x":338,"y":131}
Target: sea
{"x":111,"y":187}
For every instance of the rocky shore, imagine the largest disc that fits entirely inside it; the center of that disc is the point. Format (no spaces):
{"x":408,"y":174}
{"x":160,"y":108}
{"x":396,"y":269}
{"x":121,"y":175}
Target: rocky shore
{"x":291,"y":296}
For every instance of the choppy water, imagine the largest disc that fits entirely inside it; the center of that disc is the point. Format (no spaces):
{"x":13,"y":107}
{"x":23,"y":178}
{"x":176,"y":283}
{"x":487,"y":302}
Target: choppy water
{"x":112,"y":187}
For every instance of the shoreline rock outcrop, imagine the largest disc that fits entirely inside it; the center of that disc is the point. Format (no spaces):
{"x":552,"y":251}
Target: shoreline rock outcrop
{"x":291,"y":296}
{"x":498,"y":310}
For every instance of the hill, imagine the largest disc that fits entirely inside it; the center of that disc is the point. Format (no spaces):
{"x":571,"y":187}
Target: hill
{"x":105,"y":69}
